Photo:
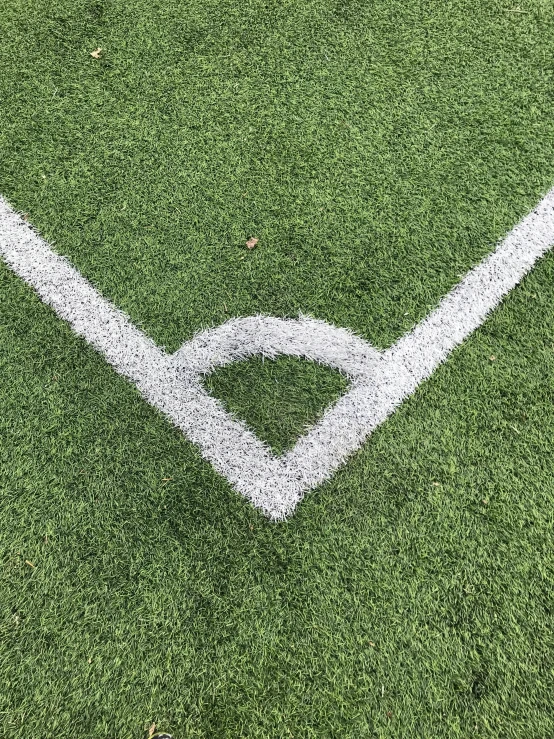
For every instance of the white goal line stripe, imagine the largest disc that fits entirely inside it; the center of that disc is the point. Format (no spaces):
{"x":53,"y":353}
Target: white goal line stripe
{"x":379,"y":381}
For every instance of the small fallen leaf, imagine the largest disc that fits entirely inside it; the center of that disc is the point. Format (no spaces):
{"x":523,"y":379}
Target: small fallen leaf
{"x":29,"y":563}
{"x":251,"y":243}
{"x":90,"y":660}
{"x":437,"y":484}
{"x":96,"y":53}
{"x":492,"y":357}
{"x":151,"y":730}
{"x":371,"y":644}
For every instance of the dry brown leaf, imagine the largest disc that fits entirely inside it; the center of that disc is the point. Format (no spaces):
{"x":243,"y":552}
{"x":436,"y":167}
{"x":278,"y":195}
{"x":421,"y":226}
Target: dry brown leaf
{"x":151,"y":730}
{"x":251,"y":243}
{"x":96,"y":53}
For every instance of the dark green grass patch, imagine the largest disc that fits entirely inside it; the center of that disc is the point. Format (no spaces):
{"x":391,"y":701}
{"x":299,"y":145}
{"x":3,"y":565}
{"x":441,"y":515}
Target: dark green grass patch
{"x":279,"y":399}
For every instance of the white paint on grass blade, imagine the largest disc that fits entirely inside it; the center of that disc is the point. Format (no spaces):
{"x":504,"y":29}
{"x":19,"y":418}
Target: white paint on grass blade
{"x":379,"y":380}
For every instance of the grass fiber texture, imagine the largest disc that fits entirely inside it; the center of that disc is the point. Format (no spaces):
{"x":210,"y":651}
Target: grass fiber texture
{"x":377,"y":151}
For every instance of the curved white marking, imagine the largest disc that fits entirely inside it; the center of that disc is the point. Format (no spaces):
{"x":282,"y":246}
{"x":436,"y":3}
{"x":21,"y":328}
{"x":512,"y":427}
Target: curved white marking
{"x":379,"y":381}
{"x":306,"y":337}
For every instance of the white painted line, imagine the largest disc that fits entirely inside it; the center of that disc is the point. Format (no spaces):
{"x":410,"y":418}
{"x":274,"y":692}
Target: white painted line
{"x":379,"y":380}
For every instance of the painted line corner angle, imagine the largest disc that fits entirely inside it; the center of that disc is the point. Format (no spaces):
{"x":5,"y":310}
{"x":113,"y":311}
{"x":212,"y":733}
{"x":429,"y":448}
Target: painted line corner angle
{"x":379,"y":381}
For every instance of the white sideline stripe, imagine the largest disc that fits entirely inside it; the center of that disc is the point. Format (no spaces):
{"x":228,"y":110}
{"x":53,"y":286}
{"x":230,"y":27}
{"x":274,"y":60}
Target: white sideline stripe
{"x":380,"y":381}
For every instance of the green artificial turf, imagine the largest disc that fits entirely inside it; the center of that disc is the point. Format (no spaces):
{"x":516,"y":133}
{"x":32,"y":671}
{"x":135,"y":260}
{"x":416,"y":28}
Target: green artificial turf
{"x":279,"y":399}
{"x":377,"y":150}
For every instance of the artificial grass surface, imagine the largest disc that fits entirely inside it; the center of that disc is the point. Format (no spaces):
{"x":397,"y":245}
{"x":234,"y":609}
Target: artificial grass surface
{"x":279,"y":399}
{"x":377,"y":150}
{"x":410,"y":596}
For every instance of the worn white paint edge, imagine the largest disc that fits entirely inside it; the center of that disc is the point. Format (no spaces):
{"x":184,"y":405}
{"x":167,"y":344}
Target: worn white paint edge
{"x":379,"y":381}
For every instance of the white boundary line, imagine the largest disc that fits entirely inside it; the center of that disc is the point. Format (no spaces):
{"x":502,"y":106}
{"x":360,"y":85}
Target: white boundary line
{"x":380,"y":381}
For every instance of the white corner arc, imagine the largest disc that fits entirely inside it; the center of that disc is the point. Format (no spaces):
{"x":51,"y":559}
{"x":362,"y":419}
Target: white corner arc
{"x":380,"y":381}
